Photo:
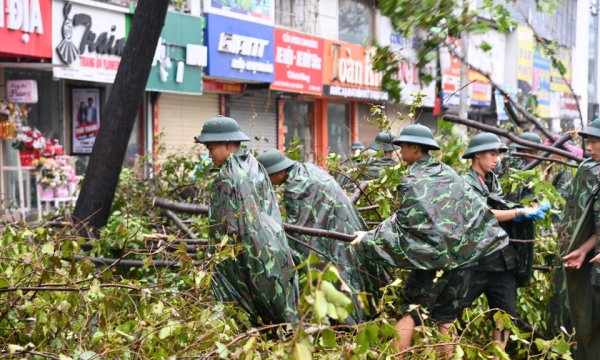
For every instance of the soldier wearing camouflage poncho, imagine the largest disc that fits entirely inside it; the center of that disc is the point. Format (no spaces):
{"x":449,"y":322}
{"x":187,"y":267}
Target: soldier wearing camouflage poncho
{"x":439,"y":225}
{"x":581,"y":220}
{"x":498,"y":275}
{"x":517,"y":163}
{"x":243,"y":207}
{"x":312,"y":198}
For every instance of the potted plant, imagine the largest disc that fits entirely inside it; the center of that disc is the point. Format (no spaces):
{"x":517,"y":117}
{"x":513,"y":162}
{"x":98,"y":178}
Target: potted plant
{"x":30,"y":143}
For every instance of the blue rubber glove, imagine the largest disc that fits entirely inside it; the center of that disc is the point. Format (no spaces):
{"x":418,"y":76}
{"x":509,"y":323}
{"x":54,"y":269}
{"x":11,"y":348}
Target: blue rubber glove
{"x":534,"y":213}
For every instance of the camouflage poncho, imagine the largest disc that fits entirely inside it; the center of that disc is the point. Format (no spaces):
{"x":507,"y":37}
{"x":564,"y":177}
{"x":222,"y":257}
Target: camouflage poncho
{"x":439,"y":224}
{"x":515,"y":255}
{"x":314,"y":199}
{"x":262,"y":278}
{"x":371,"y":169}
{"x":579,"y":222}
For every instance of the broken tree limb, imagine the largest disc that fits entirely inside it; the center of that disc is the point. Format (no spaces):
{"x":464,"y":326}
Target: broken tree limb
{"x":558,"y":143}
{"x":181,"y":207}
{"x":359,"y":191}
{"x":511,"y":136}
{"x":202,"y":209}
{"x":543,"y":158}
{"x":367,"y":208}
{"x":179,"y":223}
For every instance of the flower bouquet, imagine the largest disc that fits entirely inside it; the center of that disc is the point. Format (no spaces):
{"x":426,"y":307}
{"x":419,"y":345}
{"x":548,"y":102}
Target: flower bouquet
{"x":30,"y":144}
{"x":10,"y":114}
{"x":55,"y":176}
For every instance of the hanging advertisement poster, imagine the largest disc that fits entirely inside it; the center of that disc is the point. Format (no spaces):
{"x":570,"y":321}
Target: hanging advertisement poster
{"x":298,"y":63}
{"x":85,"y":117}
{"x":541,"y":81}
{"x":88,"y":43}
{"x":557,"y":83}
{"x":262,"y":12}
{"x":525,"y":48}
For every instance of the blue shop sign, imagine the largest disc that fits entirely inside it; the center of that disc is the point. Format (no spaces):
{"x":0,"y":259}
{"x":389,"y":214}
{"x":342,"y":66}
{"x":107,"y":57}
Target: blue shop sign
{"x":239,"y":49}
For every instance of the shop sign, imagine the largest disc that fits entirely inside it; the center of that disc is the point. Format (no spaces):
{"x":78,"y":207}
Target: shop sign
{"x":239,"y":49}
{"x":180,"y":56}
{"x":408,"y":73}
{"x":25,"y":28}
{"x":348,"y":72}
{"x":512,"y":91}
{"x":491,"y":62}
{"x":214,"y":86}
{"x":541,"y":81}
{"x":262,"y":12}
{"x":22,"y":91}
{"x":88,"y":43}
{"x":557,"y":83}
{"x":298,"y":63}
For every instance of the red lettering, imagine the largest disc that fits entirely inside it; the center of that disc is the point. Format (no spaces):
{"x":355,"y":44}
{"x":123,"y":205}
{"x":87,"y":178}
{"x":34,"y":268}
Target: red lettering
{"x":87,"y":61}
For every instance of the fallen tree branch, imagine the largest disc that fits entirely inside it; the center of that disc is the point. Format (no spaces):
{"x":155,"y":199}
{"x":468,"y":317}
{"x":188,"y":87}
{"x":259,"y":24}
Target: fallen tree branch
{"x":359,"y":191}
{"x":128,"y":263}
{"x":543,"y":158}
{"x":178,"y":223}
{"x":367,"y":208}
{"x":201,"y":209}
{"x":558,"y":143}
{"x":511,"y":136}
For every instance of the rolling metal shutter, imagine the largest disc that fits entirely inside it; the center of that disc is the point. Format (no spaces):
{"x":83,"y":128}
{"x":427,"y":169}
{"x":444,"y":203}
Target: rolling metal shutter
{"x":256,"y":112}
{"x":180,"y":118}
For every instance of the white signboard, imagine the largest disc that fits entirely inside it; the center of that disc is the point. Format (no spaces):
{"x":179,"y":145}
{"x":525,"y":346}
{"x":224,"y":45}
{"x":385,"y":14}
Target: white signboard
{"x":22,"y":91}
{"x":408,"y":73}
{"x":88,"y":43}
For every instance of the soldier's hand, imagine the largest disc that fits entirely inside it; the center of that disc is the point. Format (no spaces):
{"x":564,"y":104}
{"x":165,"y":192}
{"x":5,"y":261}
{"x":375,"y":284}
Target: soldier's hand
{"x":596,"y":259}
{"x":359,"y":237}
{"x":532,"y":213}
{"x":575,"y":259}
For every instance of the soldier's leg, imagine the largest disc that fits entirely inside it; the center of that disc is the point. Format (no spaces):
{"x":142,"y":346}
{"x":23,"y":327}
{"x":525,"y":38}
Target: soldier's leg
{"x":502,"y":294}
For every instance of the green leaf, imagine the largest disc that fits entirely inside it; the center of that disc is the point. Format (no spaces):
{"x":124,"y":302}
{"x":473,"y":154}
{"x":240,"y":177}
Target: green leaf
{"x":222,"y":350}
{"x":329,"y":338}
{"x":301,"y":352}
{"x":12,"y":348}
{"x":48,"y":249}
{"x":4,"y":283}
{"x":98,"y":335}
{"x":485,"y":47}
{"x":320,"y":307}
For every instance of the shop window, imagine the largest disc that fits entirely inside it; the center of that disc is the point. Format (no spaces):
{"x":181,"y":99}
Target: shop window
{"x":298,"y":124}
{"x":338,"y":127}
{"x":356,"y":21}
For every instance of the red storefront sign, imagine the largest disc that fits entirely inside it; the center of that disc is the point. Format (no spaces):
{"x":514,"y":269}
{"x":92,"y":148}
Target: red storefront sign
{"x":209,"y":85}
{"x":26,"y":28}
{"x":298,"y":62}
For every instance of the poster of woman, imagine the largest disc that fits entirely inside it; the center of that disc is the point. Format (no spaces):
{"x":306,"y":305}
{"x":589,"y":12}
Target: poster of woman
{"x":85,"y":114}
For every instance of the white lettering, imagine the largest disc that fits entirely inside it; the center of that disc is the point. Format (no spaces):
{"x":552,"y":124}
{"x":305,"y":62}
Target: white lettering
{"x":242,"y":45}
{"x":15,"y":14}
{"x":358,"y":93}
{"x":298,"y":76}
{"x":1,"y":13}
{"x":35,"y":24}
{"x":252,"y":66}
{"x":301,"y":41}
{"x":25,"y":26}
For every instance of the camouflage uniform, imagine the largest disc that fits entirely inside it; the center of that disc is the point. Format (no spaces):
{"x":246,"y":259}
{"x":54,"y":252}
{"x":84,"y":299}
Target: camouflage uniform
{"x":261,"y":279}
{"x":496,"y":274}
{"x":313,"y":199}
{"x":562,"y":182}
{"x":439,"y":225}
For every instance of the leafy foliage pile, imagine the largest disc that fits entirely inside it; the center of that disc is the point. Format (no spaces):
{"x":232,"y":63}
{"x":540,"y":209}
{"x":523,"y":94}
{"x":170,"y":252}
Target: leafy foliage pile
{"x":57,"y":304}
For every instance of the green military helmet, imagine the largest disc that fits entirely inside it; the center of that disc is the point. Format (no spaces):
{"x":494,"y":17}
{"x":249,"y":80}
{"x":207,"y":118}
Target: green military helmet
{"x":417,"y":134}
{"x":592,"y":130}
{"x":220,"y":129}
{"x":357,"y":145}
{"x":383,"y":141}
{"x":484,"y":142}
{"x":528,"y":136}
{"x":274,"y":161}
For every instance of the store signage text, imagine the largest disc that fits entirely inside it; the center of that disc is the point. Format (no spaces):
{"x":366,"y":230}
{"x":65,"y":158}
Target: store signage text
{"x":22,"y":91}
{"x":24,"y":27}
{"x":298,"y":62}
{"x":239,"y":49}
{"x":105,"y":43}
{"x":351,"y":65}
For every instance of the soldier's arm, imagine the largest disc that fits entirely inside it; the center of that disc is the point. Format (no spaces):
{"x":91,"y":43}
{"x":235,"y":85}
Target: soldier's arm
{"x":576,"y":258}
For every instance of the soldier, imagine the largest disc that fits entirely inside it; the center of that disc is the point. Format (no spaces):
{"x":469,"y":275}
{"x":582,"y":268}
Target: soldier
{"x":244,"y":212}
{"x":312,"y":198}
{"x":518,"y":163}
{"x":498,"y":275}
{"x":578,"y":237}
{"x":439,"y":225}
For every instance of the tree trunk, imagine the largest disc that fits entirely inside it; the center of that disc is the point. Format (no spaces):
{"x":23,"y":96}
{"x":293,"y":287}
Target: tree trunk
{"x":102,"y":174}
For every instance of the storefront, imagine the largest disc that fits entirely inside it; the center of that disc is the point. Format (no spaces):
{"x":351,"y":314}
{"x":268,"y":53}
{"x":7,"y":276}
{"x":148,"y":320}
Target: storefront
{"x":175,"y":86}
{"x":26,"y":82}
{"x":88,"y":43}
{"x":243,"y":52}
